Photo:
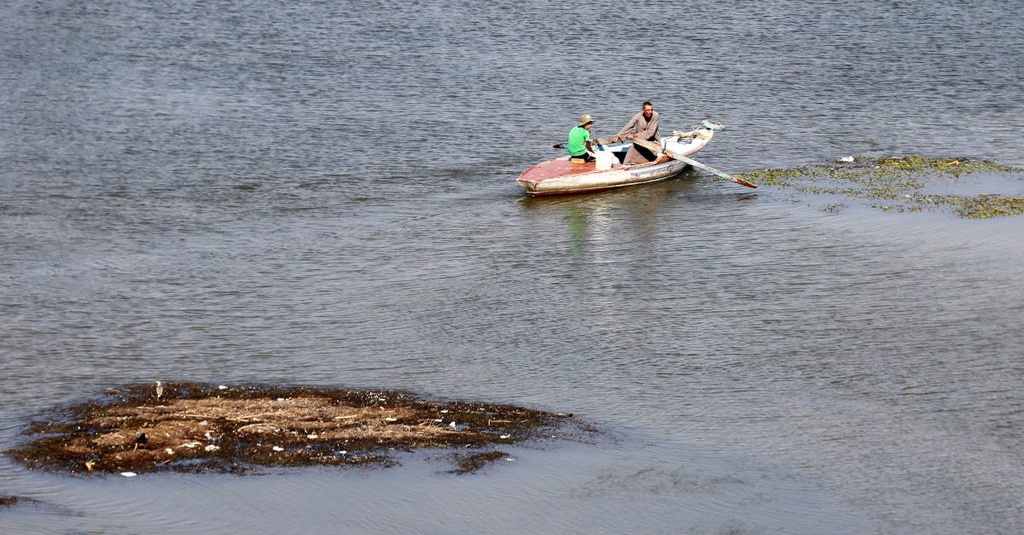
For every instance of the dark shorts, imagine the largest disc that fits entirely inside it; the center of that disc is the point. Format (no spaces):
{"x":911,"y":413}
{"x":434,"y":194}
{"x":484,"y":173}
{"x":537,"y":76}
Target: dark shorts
{"x":586,"y":157}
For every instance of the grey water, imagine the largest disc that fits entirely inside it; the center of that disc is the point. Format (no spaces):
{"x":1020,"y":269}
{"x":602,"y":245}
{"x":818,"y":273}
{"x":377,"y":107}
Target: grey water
{"x":323,"y":192}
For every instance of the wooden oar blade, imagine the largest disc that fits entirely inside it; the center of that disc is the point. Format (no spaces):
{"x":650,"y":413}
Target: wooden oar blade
{"x":711,"y":170}
{"x":742,"y":182}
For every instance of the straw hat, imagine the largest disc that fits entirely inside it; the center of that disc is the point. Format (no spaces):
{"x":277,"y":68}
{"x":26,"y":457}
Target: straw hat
{"x":584,"y":119}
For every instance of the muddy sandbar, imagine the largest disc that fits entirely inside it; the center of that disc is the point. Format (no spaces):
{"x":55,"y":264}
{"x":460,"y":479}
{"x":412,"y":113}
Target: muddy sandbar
{"x":200,"y":428}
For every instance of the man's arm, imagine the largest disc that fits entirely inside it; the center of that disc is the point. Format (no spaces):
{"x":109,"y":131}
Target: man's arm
{"x":628,"y":129}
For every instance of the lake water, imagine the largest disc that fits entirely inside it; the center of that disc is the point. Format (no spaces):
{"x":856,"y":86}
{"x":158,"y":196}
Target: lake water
{"x":323,"y":192}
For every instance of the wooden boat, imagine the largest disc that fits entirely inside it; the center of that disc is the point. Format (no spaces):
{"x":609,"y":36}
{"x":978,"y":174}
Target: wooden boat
{"x":561,"y":176}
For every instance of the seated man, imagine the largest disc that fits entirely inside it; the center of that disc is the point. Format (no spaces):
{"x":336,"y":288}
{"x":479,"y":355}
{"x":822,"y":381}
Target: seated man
{"x":643,"y":125}
{"x":579,"y":144}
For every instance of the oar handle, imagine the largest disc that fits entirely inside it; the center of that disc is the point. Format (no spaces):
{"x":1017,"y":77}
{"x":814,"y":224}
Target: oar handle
{"x":603,"y":141}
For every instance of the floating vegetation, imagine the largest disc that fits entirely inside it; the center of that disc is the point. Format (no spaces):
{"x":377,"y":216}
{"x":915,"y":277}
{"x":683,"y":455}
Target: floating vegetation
{"x":199,"y":428}
{"x":467,"y":463}
{"x":901,"y":184}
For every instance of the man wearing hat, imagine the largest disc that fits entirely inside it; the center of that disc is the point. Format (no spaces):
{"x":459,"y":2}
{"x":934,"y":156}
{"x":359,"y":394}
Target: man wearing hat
{"x":579,"y":145}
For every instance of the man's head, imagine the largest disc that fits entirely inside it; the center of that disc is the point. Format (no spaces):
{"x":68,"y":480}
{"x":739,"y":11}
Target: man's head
{"x":648,"y":109}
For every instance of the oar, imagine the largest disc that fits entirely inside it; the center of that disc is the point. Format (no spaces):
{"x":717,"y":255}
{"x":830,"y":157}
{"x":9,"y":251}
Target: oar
{"x":604,"y":141}
{"x":658,"y":149}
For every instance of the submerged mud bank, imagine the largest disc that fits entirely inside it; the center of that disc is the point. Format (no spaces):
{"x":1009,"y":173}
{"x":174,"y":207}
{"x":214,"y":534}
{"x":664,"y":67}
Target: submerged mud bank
{"x":907,"y":184}
{"x":193,"y":427}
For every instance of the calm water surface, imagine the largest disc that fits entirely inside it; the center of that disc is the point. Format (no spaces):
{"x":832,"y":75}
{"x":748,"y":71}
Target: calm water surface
{"x":323,"y":193}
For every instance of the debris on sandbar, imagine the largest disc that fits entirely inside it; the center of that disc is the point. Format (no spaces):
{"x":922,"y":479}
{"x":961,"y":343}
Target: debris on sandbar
{"x":200,"y":428}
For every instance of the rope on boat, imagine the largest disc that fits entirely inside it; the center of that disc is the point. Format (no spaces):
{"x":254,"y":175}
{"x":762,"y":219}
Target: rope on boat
{"x":695,"y":132}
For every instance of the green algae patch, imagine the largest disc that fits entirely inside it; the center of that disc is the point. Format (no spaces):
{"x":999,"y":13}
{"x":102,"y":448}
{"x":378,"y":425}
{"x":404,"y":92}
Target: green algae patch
{"x":201,"y":428}
{"x":985,"y":206}
{"x":907,"y":184}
